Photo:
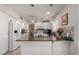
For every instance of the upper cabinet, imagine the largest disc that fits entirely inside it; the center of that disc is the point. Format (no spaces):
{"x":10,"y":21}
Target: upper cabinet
{"x":43,"y":25}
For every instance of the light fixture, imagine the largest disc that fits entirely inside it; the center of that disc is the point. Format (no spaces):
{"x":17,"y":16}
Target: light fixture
{"x":23,"y":25}
{"x":48,"y":13}
{"x":51,"y":4}
{"x":33,"y":21}
{"x":21,"y":18}
{"x":32,"y":5}
{"x":18,"y":22}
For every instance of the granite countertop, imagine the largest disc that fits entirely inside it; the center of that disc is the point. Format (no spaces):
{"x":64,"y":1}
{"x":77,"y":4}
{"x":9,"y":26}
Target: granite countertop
{"x":46,"y":38}
{"x":43,"y":40}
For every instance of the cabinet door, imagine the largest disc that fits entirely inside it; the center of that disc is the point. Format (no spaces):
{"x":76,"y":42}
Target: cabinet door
{"x":36,"y":48}
{"x":60,"y":48}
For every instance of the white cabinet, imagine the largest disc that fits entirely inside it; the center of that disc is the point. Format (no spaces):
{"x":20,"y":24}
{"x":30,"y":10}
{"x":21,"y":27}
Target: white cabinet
{"x":36,"y":47}
{"x":43,"y":25}
{"x":61,"y":47}
{"x":47,"y":25}
{"x":46,"y":47}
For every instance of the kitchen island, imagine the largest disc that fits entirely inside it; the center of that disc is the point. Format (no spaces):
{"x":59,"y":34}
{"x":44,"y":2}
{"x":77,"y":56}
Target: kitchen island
{"x":45,"y":46}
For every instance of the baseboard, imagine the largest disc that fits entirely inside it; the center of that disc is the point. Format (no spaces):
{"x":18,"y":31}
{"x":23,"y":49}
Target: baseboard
{"x":11,"y":51}
{"x":5,"y":53}
{"x":15,"y":49}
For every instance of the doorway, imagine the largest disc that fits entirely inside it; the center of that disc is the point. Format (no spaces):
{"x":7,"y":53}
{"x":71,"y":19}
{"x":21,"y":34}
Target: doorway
{"x":31,"y":31}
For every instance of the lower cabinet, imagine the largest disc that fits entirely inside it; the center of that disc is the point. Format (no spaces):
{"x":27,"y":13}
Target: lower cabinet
{"x":61,"y":47}
{"x":36,"y":48}
{"x":46,"y":47}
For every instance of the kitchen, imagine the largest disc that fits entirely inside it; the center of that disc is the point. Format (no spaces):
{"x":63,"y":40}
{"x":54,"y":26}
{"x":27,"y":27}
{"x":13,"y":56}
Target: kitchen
{"x":58,"y":42}
{"x":44,"y":29}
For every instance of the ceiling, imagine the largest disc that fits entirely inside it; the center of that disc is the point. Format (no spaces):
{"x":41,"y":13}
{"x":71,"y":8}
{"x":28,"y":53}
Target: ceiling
{"x":39,"y":10}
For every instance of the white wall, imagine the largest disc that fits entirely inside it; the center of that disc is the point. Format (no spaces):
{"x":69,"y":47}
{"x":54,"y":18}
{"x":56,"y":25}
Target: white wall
{"x":78,"y":29}
{"x":18,"y":27}
{"x":5,"y":16}
{"x":3,"y":32}
{"x":72,"y":11}
{"x":14,"y":36}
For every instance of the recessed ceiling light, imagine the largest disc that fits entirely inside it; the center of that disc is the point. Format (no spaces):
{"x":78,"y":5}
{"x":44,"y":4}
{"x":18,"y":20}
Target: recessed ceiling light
{"x":23,"y":24}
{"x":18,"y":22}
{"x":47,"y":12}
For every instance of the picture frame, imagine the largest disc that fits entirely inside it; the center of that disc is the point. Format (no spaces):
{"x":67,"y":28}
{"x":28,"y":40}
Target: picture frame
{"x":64,"y":19}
